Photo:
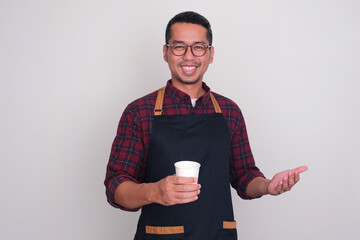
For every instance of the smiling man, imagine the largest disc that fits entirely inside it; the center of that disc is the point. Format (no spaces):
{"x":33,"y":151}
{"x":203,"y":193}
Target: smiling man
{"x":188,"y":67}
{"x":186,"y":121}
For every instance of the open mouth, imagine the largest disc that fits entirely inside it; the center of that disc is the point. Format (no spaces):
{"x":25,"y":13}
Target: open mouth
{"x":189,"y":70}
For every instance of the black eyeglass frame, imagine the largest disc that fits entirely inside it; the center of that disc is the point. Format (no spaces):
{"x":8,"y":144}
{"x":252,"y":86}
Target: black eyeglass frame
{"x":186,"y":48}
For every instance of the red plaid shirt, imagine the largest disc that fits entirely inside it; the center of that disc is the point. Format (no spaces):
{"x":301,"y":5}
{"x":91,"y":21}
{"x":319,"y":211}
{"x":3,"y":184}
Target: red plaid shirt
{"x":131,"y":145}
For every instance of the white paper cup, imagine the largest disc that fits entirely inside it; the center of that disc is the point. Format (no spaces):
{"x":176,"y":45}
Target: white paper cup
{"x":187,"y":169}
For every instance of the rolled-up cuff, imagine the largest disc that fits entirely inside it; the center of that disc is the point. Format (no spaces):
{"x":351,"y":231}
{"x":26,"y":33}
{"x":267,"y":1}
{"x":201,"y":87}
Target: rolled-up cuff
{"x":241,"y":190}
{"x":110,"y":193}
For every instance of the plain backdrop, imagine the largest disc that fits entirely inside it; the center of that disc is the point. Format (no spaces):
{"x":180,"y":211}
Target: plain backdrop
{"x":69,"y":68}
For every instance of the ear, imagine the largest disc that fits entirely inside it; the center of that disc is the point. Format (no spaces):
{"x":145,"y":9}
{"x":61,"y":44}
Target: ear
{"x":165,"y":48}
{"x":212,"y":52}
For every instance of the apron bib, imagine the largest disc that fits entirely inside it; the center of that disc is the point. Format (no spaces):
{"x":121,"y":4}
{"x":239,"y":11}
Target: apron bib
{"x":203,"y":138}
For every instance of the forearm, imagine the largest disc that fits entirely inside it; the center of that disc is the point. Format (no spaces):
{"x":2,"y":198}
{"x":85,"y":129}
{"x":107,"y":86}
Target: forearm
{"x":133,"y":195}
{"x":257,"y":187}
{"x":168,"y":191}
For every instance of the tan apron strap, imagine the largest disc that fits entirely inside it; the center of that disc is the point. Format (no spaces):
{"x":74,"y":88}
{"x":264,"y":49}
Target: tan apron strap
{"x":159,"y":101}
{"x":215,"y":103}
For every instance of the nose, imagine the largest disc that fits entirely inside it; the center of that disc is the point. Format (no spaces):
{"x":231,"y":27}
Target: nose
{"x":188,"y":54}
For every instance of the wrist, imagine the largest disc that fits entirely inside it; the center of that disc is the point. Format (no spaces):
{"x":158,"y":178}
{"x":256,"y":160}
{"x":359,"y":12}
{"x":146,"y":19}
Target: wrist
{"x":266,"y":186}
{"x":151,"y":192}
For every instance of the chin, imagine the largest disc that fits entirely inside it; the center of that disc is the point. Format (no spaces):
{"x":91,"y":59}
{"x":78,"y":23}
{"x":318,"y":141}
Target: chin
{"x":189,"y":82}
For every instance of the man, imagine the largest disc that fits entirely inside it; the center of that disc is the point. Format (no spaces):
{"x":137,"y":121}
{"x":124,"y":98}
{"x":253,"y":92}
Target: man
{"x":186,"y":121}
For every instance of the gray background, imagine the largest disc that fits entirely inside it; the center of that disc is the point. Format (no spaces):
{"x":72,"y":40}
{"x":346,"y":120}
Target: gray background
{"x":69,"y":68}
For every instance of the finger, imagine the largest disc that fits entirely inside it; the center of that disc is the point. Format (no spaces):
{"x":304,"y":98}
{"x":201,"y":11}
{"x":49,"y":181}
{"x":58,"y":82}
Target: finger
{"x":279,"y":187}
{"x":186,"y":195}
{"x":285,"y":184}
{"x":296,"y":177}
{"x":187,"y":187}
{"x":291,"y":179}
{"x":181,"y":180}
{"x":301,"y":169}
{"x":188,"y":200}
{"x":180,"y":199}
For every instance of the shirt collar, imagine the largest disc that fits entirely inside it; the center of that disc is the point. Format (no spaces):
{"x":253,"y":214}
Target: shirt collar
{"x":179,"y":96}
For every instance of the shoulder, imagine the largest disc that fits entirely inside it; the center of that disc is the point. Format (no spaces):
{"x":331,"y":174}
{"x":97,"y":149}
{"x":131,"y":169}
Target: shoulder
{"x":226,"y":104}
{"x":143,"y":103}
{"x":230,"y":111}
{"x":140,"y":110}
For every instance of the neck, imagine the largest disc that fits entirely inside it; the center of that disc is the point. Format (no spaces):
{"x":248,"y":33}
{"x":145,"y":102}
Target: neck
{"x":193,"y":90}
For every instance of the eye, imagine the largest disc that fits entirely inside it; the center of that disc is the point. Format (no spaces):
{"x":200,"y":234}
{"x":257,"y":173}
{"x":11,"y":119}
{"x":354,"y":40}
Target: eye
{"x":199,"y":47}
{"x":178,"y":47}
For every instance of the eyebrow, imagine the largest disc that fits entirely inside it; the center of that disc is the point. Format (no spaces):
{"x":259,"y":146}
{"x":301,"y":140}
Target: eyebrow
{"x":175,"y":41}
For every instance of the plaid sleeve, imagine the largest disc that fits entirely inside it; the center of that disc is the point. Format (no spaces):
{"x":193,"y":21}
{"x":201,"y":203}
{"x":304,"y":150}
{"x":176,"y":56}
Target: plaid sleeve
{"x":126,"y":157}
{"x":242,"y":166}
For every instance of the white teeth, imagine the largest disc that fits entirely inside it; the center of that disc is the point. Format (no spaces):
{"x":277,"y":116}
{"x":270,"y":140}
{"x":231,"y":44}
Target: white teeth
{"x":188,"y":68}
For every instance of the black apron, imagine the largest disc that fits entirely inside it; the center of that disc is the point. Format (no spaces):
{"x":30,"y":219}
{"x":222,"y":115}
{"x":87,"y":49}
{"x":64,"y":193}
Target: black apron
{"x":204,"y":138}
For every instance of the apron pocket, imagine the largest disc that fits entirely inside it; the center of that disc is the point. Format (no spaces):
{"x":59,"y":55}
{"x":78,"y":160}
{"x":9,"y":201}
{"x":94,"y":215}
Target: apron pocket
{"x":164,"y":233}
{"x":228,"y":232}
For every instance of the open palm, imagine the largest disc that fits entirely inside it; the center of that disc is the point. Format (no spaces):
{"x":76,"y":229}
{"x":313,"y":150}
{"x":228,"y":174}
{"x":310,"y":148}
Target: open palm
{"x":284,"y":181}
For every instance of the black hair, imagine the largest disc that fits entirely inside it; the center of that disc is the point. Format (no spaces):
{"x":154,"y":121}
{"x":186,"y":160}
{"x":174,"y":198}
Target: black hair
{"x":189,"y":17}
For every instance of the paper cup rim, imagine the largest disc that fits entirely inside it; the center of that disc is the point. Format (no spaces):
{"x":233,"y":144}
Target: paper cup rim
{"x":191,"y":164}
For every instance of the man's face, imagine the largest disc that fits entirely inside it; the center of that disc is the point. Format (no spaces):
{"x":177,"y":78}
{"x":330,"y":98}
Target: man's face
{"x":188,"y":69}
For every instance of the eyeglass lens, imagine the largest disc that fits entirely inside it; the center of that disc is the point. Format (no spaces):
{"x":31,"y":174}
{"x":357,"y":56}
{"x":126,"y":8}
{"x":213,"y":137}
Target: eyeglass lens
{"x":197,"y":49}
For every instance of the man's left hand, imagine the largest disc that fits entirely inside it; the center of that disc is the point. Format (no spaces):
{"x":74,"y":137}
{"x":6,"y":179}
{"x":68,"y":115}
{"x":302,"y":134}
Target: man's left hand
{"x":284,"y":181}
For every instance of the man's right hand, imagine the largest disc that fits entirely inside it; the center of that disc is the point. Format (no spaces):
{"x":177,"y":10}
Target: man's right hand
{"x":177,"y":190}
{"x":168,"y":191}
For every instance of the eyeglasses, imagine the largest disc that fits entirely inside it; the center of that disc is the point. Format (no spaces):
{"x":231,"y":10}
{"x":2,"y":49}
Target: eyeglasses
{"x":197,"y":49}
